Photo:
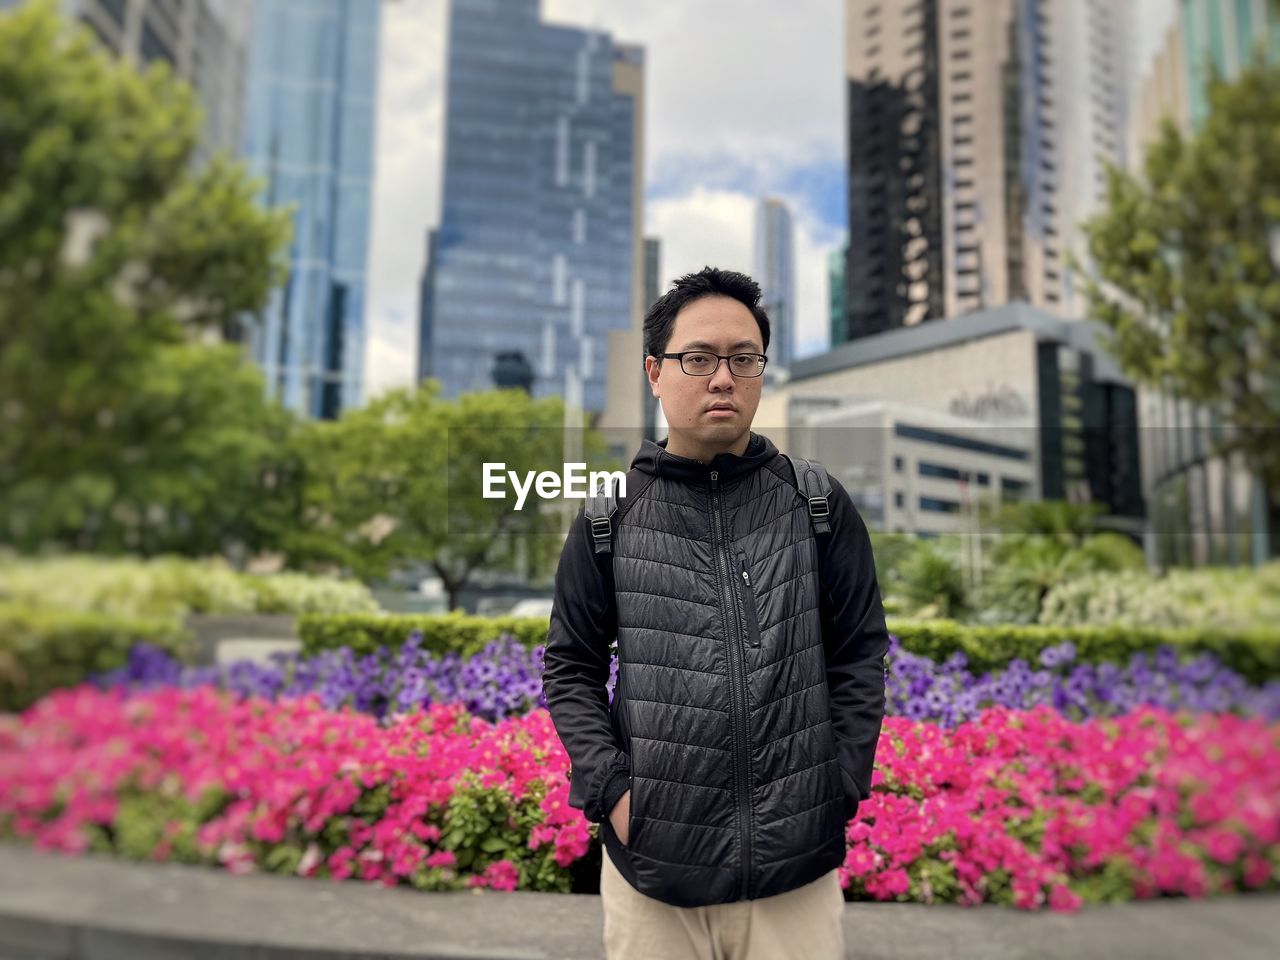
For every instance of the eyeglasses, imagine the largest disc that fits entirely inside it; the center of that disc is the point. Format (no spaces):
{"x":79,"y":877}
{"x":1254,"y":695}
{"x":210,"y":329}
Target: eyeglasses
{"x":699,"y":363}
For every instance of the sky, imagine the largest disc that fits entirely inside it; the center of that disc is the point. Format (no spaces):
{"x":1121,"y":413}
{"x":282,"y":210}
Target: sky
{"x":740,"y":102}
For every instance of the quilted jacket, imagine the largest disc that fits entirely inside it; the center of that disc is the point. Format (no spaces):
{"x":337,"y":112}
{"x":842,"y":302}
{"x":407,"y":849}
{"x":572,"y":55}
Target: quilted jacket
{"x":750,"y":687}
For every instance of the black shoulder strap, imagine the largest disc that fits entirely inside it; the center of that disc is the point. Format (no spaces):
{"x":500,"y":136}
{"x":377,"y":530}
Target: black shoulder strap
{"x":602,"y":510}
{"x":811,"y":479}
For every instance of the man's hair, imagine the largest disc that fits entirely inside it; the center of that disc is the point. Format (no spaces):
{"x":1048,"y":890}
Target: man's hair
{"x":707,"y":282}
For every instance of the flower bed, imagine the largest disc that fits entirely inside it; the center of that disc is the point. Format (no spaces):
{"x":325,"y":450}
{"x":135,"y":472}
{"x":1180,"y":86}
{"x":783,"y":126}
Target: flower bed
{"x":505,"y":679}
{"x":1026,"y":808}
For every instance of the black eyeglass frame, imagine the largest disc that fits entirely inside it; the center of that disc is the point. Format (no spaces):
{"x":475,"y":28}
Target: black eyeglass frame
{"x":719,"y":356}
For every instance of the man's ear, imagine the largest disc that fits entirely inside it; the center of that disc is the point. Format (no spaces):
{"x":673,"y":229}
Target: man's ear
{"x":652,"y":368}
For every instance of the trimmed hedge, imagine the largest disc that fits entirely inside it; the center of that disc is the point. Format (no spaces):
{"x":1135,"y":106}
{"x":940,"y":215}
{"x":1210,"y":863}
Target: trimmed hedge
{"x":442,"y":633}
{"x":1254,"y":653}
{"x":43,"y":649}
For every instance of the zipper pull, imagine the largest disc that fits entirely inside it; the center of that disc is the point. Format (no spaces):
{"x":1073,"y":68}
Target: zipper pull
{"x":714,"y":475}
{"x":745,"y":578}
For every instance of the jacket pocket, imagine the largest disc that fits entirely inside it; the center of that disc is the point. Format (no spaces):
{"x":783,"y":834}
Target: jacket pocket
{"x":747,"y":598}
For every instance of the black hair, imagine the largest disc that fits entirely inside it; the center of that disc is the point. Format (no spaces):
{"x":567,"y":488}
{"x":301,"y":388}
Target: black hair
{"x":707,"y":282}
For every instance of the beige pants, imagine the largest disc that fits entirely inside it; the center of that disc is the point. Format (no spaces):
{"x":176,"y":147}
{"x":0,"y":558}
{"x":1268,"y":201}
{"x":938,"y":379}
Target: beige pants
{"x":805,"y":922}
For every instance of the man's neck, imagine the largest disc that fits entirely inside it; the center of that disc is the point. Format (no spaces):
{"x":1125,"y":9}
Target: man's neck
{"x":693,"y":449}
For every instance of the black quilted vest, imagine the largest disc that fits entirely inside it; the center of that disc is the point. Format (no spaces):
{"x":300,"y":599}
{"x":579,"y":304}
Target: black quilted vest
{"x":721,"y":699}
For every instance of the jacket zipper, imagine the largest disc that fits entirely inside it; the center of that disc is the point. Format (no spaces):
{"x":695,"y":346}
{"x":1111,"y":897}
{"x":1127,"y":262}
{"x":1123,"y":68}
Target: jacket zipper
{"x":750,"y":615}
{"x":737,"y":681}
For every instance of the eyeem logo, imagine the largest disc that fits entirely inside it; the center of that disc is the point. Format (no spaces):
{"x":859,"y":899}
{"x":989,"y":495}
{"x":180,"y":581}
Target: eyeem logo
{"x":548,"y":484}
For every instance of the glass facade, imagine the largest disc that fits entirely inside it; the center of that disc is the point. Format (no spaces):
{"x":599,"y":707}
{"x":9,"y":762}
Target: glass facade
{"x":533,"y":254}
{"x":310,"y":136}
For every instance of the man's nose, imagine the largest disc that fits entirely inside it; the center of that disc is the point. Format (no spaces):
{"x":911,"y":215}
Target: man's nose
{"x":722,"y":378}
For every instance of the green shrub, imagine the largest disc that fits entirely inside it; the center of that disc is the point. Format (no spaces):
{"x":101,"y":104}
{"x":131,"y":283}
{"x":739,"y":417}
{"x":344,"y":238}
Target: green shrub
{"x":441,"y":632}
{"x":170,"y":587}
{"x":1253,"y":652}
{"x":1229,"y":597}
{"x":42,"y":649}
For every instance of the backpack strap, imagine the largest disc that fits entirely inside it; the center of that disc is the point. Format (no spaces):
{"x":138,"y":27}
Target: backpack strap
{"x":600,"y":509}
{"x":604,"y":510}
{"x":815,"y":487}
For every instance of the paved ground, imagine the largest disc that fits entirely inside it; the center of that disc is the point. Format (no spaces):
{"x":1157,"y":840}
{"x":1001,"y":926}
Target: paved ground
{"x":96,"y":908}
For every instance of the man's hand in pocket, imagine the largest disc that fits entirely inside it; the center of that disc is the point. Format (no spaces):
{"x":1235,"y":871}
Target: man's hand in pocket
{"x":620,"y":817}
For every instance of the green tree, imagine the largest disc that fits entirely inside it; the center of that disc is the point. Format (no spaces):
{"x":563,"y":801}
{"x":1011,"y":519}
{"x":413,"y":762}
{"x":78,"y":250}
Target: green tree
{"x":1188,"y":254}
{"x":116,"y":260}
{"x":400,"y":481}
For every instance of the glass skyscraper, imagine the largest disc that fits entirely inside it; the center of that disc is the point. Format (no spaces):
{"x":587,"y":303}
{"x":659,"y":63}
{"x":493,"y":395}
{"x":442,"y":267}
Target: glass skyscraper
{"x":774,"y":265}
{"x":538,"y":237}
{"x":310,"y":136}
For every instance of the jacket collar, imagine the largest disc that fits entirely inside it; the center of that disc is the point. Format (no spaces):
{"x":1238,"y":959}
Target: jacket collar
{"x":653,"y":458}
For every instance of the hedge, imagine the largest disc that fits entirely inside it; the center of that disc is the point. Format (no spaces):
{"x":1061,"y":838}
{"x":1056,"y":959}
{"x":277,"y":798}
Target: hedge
{"x":442,"y":633}
{"x":1253,"y":652}
{"x":43,"y":649}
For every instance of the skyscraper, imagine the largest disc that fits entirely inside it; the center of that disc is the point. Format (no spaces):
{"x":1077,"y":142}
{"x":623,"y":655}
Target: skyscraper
{"x":538,"y":251}
{"x":978,"y":134}
{"x":310,"y":136}
{"x":1221,"y":35}
{"x":775,"y":270}
{"x":203,"y":41}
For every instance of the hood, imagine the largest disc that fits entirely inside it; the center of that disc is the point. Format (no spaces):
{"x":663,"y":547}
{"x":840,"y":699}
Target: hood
{"x":653,"y":458}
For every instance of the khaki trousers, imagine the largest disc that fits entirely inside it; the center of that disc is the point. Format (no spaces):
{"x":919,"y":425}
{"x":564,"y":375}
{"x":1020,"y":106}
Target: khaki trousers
{"x":804,"y":922}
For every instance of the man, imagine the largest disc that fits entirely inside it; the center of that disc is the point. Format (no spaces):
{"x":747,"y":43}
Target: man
{"x":750,"y":693}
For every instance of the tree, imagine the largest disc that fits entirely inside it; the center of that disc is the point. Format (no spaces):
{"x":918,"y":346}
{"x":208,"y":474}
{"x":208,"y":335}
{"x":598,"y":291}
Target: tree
{"x":116,"y":258}
{"x":1188,"y":256}
{"x":400,"y":481}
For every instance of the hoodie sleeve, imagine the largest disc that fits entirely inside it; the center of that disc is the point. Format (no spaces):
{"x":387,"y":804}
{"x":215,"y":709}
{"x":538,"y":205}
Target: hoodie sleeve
{"x":583,"y":625}
{"x":856,"y":641}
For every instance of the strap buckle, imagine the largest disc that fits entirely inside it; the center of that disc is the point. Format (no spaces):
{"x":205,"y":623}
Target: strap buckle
{"x":601,"y":528}
{"x":819,"y":502}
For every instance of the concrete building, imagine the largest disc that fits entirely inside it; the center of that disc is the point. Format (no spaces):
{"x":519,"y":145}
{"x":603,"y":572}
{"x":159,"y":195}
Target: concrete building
{"x":1204,"y":508}
{"x":977,"y":138}
{"x":912,"y":469}
{"x":203,"y":42}
{"x":539,"y":249}
{"x":1015,"y":376}
{"x":774,"y":268}
{"x":310,"y":137}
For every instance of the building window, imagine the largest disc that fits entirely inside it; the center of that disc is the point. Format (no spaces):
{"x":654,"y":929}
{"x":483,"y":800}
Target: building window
{"x":926,"y":469}
{"x":897,"y":464}
{"x":898,"y":499}
{"x":939,"y":505}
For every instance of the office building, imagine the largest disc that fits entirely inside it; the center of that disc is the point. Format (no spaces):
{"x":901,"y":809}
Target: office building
{"x":1012,"y":378}
{"x":977,"y":135}
{"x":1205,"y":509}
{"x":836,"y":261}
{"x":310,"y":137}
{"x":202,"y":41}
{"x":539,"y":248}
{"x":774,"y":268}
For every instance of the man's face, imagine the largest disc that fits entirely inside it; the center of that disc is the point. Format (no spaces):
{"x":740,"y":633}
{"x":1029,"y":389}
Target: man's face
{"x":720,"y":325}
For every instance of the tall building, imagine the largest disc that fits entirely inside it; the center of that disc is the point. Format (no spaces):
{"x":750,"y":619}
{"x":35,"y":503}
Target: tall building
{"x":1204,"y":508}
{"x":203,"y":41}
{"x":539,"y":247}
{"x":310,"y":137}
{"x":1012,"y":401}
{"x":652,"y":291}
{"x":836,"y":261}
{"x":1222,"y":35}
{"x":978,"y":134}
{"x":774,"y":266}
